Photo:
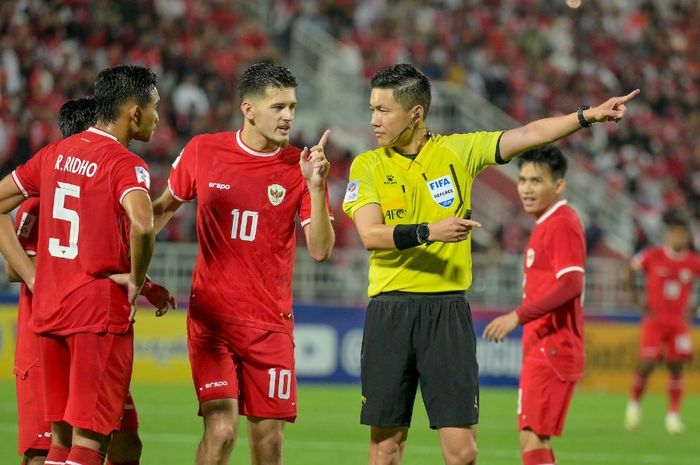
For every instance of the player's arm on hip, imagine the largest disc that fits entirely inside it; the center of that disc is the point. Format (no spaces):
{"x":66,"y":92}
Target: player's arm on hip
{"x":11,"y":249}
{"x":139,"y":209}
{"x":164,"y":208}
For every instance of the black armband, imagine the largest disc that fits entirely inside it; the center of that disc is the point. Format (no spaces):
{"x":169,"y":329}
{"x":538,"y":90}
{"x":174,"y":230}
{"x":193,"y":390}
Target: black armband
{"x":406,"y":236}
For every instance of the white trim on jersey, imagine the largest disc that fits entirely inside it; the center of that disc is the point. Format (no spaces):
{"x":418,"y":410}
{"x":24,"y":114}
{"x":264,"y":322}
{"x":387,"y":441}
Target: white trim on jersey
{"x":177,"y":197}
{"x":247,"y":149}
{"x":121,"y":197}
{"x":30,"y":253}
{"x":19,"y":185}
{"x":308,"y":220}
{"x":102,"y":133}
{"x":51,"y":462}
{"x":569,"y":269}
{"x":551,"y":211}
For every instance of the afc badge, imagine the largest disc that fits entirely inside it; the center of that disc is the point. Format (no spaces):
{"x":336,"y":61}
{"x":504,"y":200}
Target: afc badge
{"x":529,"y":258}
{"x":276,"y":193}
{"x":442,"y":191}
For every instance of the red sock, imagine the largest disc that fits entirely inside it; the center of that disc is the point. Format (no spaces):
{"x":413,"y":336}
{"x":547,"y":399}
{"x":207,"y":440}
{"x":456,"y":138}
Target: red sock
{"x":110,"y":462}
{"x":57,"y":455}
{"x":84,"y":456}
{"x":675,"y":392}
{"x":539,"y":457}
{"x":639,"y":384}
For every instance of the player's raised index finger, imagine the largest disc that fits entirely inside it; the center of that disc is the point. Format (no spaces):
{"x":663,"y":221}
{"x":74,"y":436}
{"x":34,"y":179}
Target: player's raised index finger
{"x":630,"y":96}
{"x":324,"y":137}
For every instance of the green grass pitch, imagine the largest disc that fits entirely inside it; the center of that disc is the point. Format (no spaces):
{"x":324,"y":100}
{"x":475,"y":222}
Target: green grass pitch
{"x":327,"y":430}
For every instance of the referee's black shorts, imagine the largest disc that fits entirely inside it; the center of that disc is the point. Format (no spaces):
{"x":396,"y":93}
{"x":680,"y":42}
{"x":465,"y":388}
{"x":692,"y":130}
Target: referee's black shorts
{"x":427,"y":338}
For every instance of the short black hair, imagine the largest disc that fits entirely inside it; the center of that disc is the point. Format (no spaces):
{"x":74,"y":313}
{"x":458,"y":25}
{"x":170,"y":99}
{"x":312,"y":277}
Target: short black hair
{"x":676,"y":217}
{"x":119,"y":84}
{"x":547,"y":155}
{"x":410,"y":87}
{"x":76,"y":115}
{"x":257,"y":78}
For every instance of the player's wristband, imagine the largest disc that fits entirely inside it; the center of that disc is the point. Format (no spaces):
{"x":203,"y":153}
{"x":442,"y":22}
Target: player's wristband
{"x":406,"y":236}
{"x":582,"y":119}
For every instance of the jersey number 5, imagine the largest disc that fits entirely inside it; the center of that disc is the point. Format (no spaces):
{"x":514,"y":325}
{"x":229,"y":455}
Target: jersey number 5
{"x":60,"y":212}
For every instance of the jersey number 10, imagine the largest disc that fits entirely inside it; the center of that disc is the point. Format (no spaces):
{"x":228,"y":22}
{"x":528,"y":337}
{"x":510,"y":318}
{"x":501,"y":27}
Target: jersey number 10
{"x":245,"y":225}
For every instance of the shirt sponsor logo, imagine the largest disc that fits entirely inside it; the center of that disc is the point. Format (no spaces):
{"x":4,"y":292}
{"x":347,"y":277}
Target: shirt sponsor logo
{"x":143,"y":177}
{"x":220,"y":186}
{"x":529,"y":257}
{"x":442,"y":191}
{"x":389,"y":179}
{"x":352,"y":191}
{"x":276,"y":193}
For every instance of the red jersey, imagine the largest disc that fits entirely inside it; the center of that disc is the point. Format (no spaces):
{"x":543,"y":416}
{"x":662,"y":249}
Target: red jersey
{"x":669,"y":277}
{"x":246,"y":210}
{"x":81,"y":180}
{"x":27,"y":348}
{"x":556,"y":246}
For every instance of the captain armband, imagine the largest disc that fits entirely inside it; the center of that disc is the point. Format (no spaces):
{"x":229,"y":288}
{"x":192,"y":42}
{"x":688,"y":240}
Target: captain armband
{"x":406,"y":236}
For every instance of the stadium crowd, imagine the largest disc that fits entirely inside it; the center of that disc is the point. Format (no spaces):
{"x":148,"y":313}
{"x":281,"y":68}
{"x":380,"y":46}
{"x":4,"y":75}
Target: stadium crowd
{"x":529,"y":57}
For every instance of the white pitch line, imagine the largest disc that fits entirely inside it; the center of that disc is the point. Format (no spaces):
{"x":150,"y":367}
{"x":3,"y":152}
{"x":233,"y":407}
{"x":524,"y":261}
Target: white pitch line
{"x":346,"y":446}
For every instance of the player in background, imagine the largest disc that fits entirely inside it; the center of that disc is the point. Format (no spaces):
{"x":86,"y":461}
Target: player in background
{"x":670,"y":270}
{"x":93,"y":189}
{"x":410,"y":200}
{"x":34,"y":436}
{"x":552,"y":309}
{"x":250,"y":185}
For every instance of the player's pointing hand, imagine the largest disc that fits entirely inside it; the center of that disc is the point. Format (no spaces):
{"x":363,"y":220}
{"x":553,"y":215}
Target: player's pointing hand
{"x":313,"y":163}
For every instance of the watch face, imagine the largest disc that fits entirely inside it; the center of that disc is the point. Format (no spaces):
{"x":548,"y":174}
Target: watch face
{"x":423,"y":232}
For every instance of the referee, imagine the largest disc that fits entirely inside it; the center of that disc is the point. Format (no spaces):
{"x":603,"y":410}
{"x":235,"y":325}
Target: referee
{"x":410,"y":200}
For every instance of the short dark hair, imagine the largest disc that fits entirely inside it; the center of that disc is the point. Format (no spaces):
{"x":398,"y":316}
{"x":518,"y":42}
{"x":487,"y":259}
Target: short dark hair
{"x":410,"y":87}
{"x":119,"y":84}
{"x":547,"y":155}
{"x":76,"y":115}
{"x":676,"y":217}
{"x":257,"y":78}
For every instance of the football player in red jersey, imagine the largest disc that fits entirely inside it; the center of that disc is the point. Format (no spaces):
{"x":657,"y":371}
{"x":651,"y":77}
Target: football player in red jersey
{"x":250,"y":186}
{"x":93,"y":190}
{"x":670,"y":270}
{"x":552,"y":308}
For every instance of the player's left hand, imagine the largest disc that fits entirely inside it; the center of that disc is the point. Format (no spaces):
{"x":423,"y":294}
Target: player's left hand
{"x":158,"y":296}
{"x":613,"y":109}
{"x":132,"y":290}
{"x":500,"y":327}
{"x":313,"y":163}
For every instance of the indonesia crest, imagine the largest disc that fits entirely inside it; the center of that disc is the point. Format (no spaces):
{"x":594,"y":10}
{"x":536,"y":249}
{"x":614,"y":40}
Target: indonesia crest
{"x":442,"y":190}
{"x":275,"y":193}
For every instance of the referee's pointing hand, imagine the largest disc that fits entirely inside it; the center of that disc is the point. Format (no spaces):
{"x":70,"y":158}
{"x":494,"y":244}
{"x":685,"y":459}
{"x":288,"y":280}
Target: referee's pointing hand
{"x":451,"y":229}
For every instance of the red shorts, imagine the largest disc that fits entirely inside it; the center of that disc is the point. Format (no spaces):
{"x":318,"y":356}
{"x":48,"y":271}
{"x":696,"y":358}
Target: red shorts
{"x":543,"y":399}
{"x":86,"y":378}
{"x":34,"y":432}
{"x":253,"y":365}
{"x":130,"y":418}
{"x":670,"y":340}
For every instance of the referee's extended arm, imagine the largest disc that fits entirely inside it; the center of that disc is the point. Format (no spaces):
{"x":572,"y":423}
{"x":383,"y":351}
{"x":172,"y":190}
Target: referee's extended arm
{"x":376,"y":235}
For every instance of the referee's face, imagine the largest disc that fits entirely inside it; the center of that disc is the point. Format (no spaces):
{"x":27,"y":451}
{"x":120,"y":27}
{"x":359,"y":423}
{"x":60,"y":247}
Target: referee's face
{"x":389,"y":120}
{"x":537,"y":188}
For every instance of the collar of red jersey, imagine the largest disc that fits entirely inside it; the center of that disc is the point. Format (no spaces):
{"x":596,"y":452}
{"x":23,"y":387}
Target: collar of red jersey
{"x":256,"y":153}
{"x":101,"y":132}
{"x":551,"y":211}
{"x":676,"y":256}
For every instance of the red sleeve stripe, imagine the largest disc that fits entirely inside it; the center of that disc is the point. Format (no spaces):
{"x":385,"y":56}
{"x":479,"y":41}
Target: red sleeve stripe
{"x":19,"y":185}
{"x":569,"y":269}
{"x":121,"y":197}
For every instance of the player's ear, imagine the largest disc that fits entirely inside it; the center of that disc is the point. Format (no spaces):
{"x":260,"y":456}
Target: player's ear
{"x":248,"y":110}
{"x":134,"y":113}
{"x":561,"y":185}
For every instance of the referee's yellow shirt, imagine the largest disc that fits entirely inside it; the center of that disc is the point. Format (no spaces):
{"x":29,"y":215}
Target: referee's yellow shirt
{"x":435,"y":185}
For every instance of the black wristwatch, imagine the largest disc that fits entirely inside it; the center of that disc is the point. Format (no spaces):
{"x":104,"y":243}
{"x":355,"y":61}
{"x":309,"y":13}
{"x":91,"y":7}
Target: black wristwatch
{"x":423,"y":232}
{"x":581,"y":120}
